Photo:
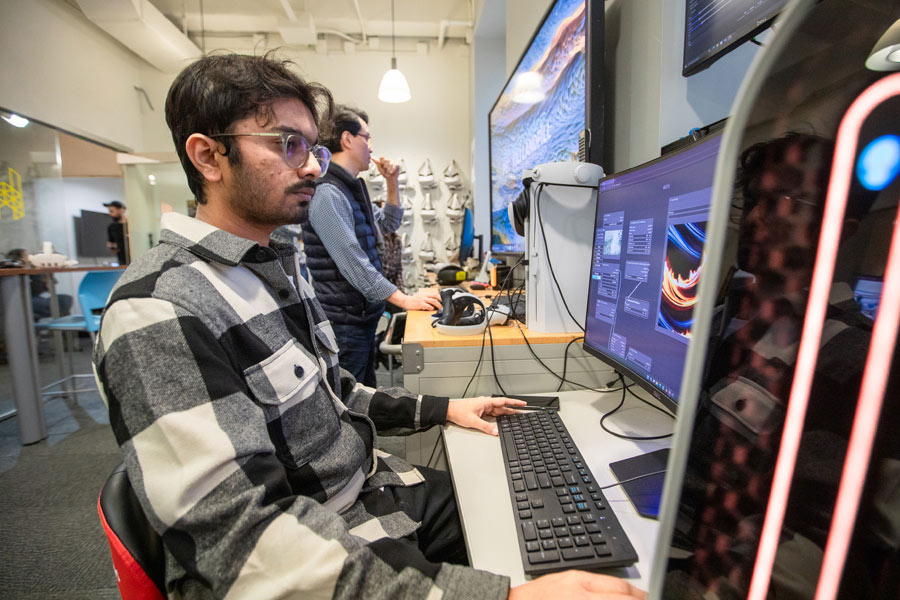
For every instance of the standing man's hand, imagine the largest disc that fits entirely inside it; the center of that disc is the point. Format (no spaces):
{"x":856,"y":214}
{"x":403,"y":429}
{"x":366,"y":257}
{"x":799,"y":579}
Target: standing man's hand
{"x":388,"y":169}
{"x":468,"y":412}
{"x":425,"y":299}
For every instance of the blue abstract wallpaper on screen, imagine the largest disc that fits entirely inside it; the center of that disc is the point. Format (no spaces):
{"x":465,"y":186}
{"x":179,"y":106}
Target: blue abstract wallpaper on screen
{"x":540,"y":113}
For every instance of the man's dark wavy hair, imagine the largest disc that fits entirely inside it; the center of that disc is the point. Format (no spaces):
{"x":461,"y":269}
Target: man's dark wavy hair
{"x":213,"y":93}
{"x":340,"y":119}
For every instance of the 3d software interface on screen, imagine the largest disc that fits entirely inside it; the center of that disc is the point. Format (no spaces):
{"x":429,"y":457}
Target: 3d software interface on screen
{"x":650,"y":231}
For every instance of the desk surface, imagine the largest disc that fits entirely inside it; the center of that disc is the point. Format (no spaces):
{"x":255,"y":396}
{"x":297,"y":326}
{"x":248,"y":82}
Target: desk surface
{"x":479,"y":480}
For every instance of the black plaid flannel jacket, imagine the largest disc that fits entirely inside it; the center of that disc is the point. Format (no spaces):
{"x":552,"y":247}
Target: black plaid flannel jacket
{"x":246,"y":444}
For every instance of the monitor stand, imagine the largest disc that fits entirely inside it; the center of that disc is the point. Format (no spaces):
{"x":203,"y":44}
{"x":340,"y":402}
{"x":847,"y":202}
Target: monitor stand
{"x":645,"y":493}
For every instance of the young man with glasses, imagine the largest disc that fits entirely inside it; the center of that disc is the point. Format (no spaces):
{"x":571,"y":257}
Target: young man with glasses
{"x":250,"y":451}
{"x":344,"y":245}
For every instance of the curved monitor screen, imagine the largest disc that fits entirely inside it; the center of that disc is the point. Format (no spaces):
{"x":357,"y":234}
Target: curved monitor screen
{"x":648,"y":241}
{"x":540,"y":113}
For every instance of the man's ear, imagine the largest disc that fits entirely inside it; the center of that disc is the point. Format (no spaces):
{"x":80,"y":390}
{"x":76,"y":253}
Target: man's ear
{"x":346,"y":140}
{"x":203,"y":151}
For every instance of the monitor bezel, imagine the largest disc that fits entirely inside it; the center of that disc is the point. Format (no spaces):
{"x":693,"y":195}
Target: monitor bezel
{"x":667,"y":401}
{"x":593,"y":96}
{"x":707,"y":62}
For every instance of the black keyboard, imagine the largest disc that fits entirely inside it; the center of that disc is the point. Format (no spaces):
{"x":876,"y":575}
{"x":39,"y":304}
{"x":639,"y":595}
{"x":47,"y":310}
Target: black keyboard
{"x":562,"y":519}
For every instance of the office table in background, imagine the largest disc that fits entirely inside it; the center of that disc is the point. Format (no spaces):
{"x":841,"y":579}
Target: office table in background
{"x":21,"y":343}
{"x":479,"y":480}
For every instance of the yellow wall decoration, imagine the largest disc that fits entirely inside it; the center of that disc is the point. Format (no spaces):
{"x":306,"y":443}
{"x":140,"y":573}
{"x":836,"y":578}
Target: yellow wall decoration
{"x":11,"y":196}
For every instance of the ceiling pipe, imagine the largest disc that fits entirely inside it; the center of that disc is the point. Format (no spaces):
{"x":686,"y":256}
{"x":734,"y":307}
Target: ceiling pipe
{"x":445,"y":25}
{"x":140,"y":27}
{"x":362,"y":22}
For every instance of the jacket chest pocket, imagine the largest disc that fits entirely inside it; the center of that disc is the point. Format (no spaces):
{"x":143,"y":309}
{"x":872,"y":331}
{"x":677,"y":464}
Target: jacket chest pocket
{"x":300,"y":416}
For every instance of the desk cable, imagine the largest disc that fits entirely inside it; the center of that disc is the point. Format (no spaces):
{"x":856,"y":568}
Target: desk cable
{"x":621,"y":403}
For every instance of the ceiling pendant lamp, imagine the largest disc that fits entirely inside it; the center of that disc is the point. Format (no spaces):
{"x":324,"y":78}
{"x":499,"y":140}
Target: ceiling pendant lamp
{"x":393,"y":88}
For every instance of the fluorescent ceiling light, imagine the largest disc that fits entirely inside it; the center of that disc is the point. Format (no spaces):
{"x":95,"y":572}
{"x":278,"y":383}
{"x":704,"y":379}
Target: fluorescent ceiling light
{"x":15,"y":120}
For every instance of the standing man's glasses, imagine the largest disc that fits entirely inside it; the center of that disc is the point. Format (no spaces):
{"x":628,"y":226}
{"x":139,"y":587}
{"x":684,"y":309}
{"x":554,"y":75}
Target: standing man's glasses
{"x":365,"y":136}
{"x":294,"y":148}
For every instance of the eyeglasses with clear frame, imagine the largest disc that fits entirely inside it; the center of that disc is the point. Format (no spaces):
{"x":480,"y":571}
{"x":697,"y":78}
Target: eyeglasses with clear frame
{"x":365,"y":136}
{"x":295,"y":150}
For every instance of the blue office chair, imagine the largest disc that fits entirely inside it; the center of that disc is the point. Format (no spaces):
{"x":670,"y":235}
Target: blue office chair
{"x":93,"y":292}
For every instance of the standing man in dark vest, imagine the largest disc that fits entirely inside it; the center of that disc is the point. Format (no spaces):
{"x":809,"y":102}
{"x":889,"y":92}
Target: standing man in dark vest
{"x":343,"y":242}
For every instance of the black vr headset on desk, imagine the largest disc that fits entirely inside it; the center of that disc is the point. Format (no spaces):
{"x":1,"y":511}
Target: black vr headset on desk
{"x":465,"y":314}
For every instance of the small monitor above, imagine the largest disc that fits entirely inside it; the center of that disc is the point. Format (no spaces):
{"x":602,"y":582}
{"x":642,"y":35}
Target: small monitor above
{"x":713,"y":28}
{"x":649,"y":234}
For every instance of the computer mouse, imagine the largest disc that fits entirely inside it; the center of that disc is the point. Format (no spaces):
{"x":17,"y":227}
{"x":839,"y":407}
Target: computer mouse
{"x":477,"y":286}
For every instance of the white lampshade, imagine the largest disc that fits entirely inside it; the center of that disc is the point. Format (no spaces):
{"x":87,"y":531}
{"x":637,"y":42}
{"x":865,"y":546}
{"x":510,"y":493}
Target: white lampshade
{"x":885,"y":56}
{"x":394,"y":87}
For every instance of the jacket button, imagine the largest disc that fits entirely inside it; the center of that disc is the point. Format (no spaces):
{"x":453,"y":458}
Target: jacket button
{"x":298,"y":371}
{"x":284,"y":294}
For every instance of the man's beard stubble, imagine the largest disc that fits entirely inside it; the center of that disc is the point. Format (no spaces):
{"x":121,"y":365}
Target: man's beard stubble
{"x":252,"y":199}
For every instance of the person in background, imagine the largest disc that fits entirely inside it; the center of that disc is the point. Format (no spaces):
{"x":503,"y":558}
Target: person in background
{"x":117,"y":231}
{"x":40,"y":291}
{"x":344,"y":243}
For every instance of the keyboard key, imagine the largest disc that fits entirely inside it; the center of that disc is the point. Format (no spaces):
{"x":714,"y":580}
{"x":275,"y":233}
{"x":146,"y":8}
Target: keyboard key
{"x":538,"y":558}
{"x":543,"y":523}
{"x":603,"y":551}
{"x":568,"y":508}
{"x":545,"y":534}
{"x":528,"y":531}
{"x":524,"y":514}
{"x":576,"y":530}
{"x":561,"y":531}
{"x":582,"y":506}
{"x":548,"y":545}
{"x":537,"y":503}
{"x":522,"y":505}
{"x":557,"y":481}
{"x":581,"y":540}
{"x":588,"y":517}
{"x":564,"y":542}
{"x":532,"y":546}
{"x":577,"y":553}
{"x":573,"y":521}
{"x":565,"y":500}
{"x":521,"y":497}
{"x":530,"y":481}
{"x":597,"y":538}
{"x":562,"y":492}
{"x":557,"y":521}
{"x":544,"y":481}
{"x":518,"y":486}
{"x":592,"y":528}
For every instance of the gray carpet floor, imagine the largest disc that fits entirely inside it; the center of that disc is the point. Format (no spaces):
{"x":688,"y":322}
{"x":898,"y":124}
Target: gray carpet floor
{"x":53,"y":545}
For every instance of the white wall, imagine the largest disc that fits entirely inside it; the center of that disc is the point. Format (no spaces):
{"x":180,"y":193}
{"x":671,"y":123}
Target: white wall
{"x":653,"y":104}
{"x":61,"y":69}
{"x":489,"y":73}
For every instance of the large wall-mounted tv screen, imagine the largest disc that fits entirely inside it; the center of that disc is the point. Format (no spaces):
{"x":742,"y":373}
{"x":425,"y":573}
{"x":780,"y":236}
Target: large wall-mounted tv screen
{"x":541,"y":112}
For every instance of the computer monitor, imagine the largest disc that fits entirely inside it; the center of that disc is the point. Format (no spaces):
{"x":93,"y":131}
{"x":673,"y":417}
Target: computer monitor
{"x":467,"y":237}
{"x":713,"y":28}
{"x":550,"y":109}
{"x":648,"y":241}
